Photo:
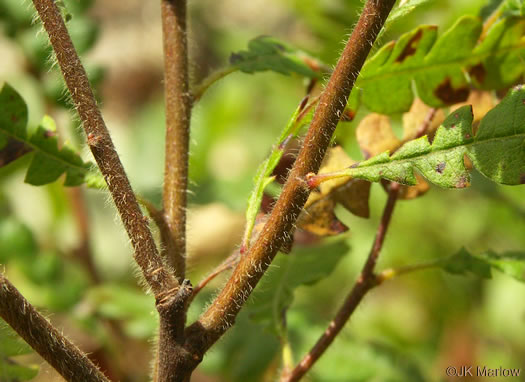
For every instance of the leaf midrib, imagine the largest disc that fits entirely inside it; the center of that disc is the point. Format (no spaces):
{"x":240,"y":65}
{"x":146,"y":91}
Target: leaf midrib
{"x":413,"y":158}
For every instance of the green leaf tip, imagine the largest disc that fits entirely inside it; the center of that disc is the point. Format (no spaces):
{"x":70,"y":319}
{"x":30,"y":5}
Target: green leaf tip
{"x":49,"y":161}
{"x":267,"y":53}
{"x":497,"y":150}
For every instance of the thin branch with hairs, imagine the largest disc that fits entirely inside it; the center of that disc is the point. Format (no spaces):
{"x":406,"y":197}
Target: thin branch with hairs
{"x":366,"y":281}
{"x":178,"y":103}
{"x":230,"y":262}
{"x":158,"y":278}
{"x":201,"y":88}
{"x":80,"y":214}
{"x":201,"y":335}
{"x":46,"y":340}
{"x":425,"y":125}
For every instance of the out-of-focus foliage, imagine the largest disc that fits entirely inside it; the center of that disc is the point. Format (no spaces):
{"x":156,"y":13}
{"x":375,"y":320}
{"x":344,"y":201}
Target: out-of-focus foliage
{"x":12,"y":346}
{"x":410,"y":329}
{"x":266,"y":53}
{"x":48,"y":161}
{"x":303,"y":266}
{"x":511,"y":263}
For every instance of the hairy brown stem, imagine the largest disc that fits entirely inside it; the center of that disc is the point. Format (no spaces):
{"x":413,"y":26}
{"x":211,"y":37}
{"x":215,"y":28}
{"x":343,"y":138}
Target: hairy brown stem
{"x":178,"y":113}
{"x":172,"y":222}
{"x":221,"y":314}
{"x":101,"y":145}
{"x":364,"y":283}
{"x":47,"y":341}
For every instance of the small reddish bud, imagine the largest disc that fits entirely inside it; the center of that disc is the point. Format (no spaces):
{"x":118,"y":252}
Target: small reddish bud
{"x":242,"y":250}
{"x":312,"y":180}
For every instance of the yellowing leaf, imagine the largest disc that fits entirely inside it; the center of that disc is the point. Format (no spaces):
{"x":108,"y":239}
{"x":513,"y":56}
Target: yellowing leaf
{"x":421,"y":120}
{"x":375,"y":135}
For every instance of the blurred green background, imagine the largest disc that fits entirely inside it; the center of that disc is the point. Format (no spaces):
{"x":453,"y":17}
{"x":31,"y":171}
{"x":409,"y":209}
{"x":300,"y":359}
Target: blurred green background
{"x":407,"y":330}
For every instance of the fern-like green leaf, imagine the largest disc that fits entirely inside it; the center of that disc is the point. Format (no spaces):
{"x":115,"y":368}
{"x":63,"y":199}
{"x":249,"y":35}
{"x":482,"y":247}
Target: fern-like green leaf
{"x":49,"y":161}
{"x":267,"y":53}
{"x":497,"y":150}
{"x":442,"y":69}
{"x":511,"y":263}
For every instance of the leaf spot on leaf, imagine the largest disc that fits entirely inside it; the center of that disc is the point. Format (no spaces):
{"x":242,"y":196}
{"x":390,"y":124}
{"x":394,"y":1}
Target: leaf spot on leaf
{"x":441,"y":167}
{"x":411,"y":47}
{"x":478,"y":72}
{"x":446,"y":93}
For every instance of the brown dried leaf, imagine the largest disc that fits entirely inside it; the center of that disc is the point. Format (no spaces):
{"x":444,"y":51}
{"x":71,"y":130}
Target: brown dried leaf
{"x":416,"y":121}
{"x":318,"y":216}
{"x":375,"y":136}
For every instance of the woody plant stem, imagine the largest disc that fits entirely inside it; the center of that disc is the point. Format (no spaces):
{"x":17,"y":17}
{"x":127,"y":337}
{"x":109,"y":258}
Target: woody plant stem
{"x":366,"y":281}
{"x":178,"y":102}
{"x":201,"y":335}
{"x":103,"y":150}
{"x":170,"y":295}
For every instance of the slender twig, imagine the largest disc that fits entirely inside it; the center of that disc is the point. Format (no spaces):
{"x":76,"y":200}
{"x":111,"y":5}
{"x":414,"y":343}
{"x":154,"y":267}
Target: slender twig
{"x":364,"y":283}
{"x":425,"y":125}
{"x":80,"y":214}
{"x":390,"y":273}
{"x":47,"y":341}
{"x":229,"y":263}
{"x":178,"y":113}
{"x":101,"y":145}
{"x":222,"y":312}
{"x":201,"y":88}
